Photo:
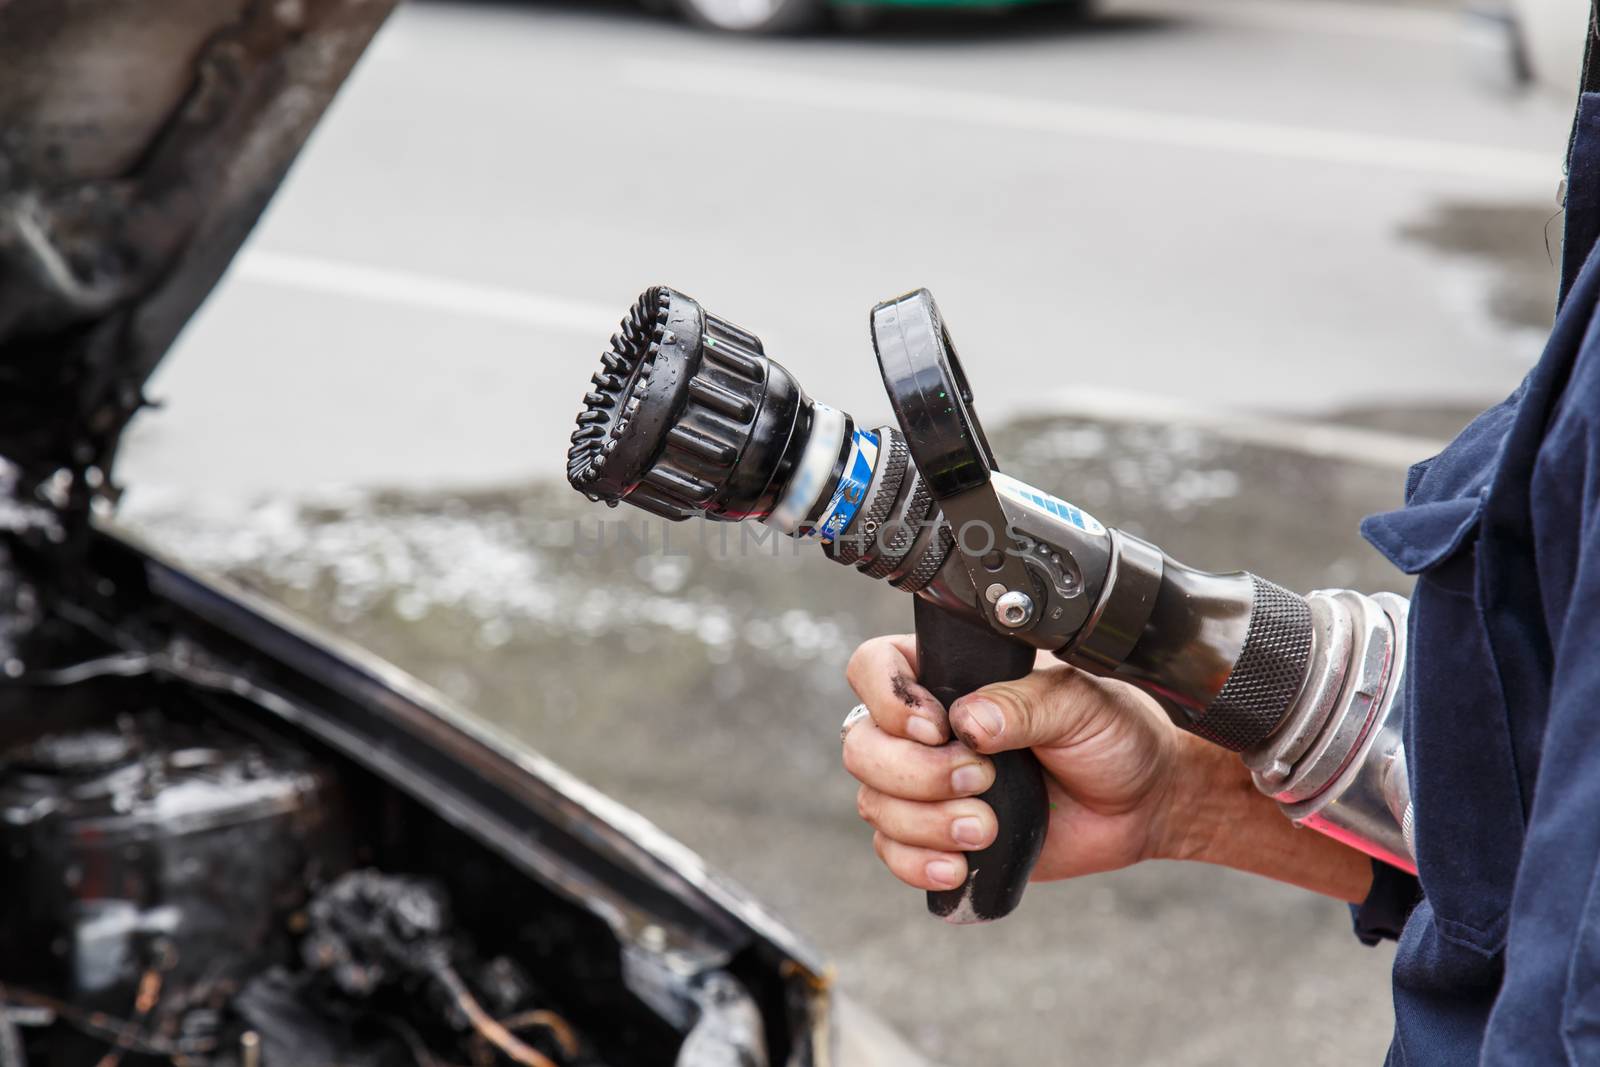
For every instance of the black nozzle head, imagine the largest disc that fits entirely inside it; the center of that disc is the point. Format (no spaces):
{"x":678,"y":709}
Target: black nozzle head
{"x":632,"y":397}
{"x":686,"y":414}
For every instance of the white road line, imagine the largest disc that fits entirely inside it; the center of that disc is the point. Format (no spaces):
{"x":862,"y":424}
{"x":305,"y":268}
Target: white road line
{"x":339,"y":278}
{"x":317,"y":275}
{"x":1374,"y":20}
{"x":740,"y":85}
{"x":1324,"y":440}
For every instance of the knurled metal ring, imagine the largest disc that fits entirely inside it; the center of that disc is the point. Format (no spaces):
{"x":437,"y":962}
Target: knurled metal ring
{"x":905,"y":531}
{"x":1267,"y":676}
{"x":933,"y":557}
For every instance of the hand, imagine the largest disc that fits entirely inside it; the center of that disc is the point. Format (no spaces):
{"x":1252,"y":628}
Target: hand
{"x":1111,"y":759}
{"x":1124,"y":783}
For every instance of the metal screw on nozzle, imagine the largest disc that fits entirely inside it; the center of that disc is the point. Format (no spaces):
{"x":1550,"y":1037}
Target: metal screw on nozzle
{"x":1014,"y":609}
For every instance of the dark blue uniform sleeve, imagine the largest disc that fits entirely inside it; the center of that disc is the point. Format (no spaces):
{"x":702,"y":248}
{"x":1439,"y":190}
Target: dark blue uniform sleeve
{"x":1383,"y":914}
{"x":1548,"y":1008}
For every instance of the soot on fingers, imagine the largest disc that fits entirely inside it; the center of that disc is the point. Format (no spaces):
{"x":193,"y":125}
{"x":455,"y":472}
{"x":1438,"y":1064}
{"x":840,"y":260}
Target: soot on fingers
{"x":901,"y":685}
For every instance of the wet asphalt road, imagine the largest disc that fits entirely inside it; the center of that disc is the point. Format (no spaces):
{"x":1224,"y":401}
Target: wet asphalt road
{"x":1340,"y":221}
{"x":695,"y":674}
{"x":1282,"y":204}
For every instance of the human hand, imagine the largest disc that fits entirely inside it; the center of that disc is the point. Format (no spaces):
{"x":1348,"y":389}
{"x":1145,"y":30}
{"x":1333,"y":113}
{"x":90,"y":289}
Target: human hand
{"x":1111,"y":758}
{"x":1124,"y":783}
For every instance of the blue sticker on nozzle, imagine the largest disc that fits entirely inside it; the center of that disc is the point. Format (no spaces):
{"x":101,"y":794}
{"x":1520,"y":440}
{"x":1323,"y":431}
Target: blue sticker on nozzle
{"x":1054,"y":505}
{"x":852,"y":487}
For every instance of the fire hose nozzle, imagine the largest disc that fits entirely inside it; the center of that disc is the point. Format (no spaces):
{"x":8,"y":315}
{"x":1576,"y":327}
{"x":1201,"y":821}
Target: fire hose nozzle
{"x":688,"y":415}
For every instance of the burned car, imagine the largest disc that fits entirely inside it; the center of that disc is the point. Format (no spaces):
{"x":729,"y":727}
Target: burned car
{"x":226,"y":837}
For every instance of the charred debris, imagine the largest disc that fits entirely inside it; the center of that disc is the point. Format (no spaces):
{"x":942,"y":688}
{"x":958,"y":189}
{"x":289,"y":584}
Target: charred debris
{"x":226,"y":840}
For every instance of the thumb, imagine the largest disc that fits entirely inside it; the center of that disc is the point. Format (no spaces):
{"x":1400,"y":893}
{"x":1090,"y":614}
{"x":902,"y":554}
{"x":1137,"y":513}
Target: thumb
{"x":1047,"y":708}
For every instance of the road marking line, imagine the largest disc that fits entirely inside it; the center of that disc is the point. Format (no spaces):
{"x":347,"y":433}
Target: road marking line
{"x":1373,"y":20}
{"x":317,"y":275}
{"x":1327,"y":440}
{"x":741,"y":85}
{"x":1324,"y":440}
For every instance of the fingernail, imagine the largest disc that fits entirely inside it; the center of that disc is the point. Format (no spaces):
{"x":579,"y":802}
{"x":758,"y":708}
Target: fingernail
{"x":942,"y":872}
{"x":967,"y":831}
{"x":968,"y":779}
{"x":924,"y":731}
{"x":983,"y":717}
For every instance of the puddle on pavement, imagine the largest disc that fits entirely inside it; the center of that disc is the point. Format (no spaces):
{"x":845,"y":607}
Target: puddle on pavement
{"x":1515,"y":245}
{"x":704,"y":688}
{"x":638,"y":651}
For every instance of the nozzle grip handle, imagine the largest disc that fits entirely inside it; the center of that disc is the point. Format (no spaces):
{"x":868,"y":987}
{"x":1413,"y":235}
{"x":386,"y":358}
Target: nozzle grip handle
{"x":957,"y":657}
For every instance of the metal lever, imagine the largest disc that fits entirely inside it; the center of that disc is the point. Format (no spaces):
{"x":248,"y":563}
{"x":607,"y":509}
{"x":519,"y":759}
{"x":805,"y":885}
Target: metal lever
{"x":933,"y":405}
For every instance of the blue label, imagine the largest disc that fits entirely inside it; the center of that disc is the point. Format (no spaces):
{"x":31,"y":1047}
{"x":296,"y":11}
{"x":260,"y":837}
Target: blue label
{"x":1045,"y":502}
{"x":852,"y":488}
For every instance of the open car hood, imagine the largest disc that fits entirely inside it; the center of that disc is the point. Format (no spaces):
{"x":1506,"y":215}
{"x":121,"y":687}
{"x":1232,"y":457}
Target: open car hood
{"x":141,"y":142}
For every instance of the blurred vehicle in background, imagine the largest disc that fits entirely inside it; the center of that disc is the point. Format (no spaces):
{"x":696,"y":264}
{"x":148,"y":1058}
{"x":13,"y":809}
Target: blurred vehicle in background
{"x":785,"y":16}
{"x":1551,"y":35}
{"x":1537,"y":43}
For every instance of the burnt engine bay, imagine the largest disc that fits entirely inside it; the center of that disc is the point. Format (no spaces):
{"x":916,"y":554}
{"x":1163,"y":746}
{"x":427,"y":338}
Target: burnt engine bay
{"x":177,"y":890}
{"x":187,"y":879}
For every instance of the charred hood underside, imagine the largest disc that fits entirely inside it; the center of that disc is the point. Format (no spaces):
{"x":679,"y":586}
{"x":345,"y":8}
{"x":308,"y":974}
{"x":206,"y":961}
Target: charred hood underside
{"x":225,"y":839}
{"x":141,"y":142}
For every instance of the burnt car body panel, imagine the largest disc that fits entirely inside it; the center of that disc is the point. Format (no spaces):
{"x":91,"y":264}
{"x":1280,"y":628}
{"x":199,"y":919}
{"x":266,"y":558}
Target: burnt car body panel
{"x":140,"y":145}
{"x":131,"y":614}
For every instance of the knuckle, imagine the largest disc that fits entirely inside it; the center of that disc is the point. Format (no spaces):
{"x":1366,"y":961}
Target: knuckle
{"x":1021,"y":707}
{"x":968,"y":784}
{"x":1033,"y":705}
{"x":976,"y":809}
{"x":852,"y":753}
{"x":867,"y":805}
{"x":969,"y":807}
{"x":855,"y":670}
{"x":1070,"y":687}
{"x":889,"y":716}
{"x":1076,"y":700}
